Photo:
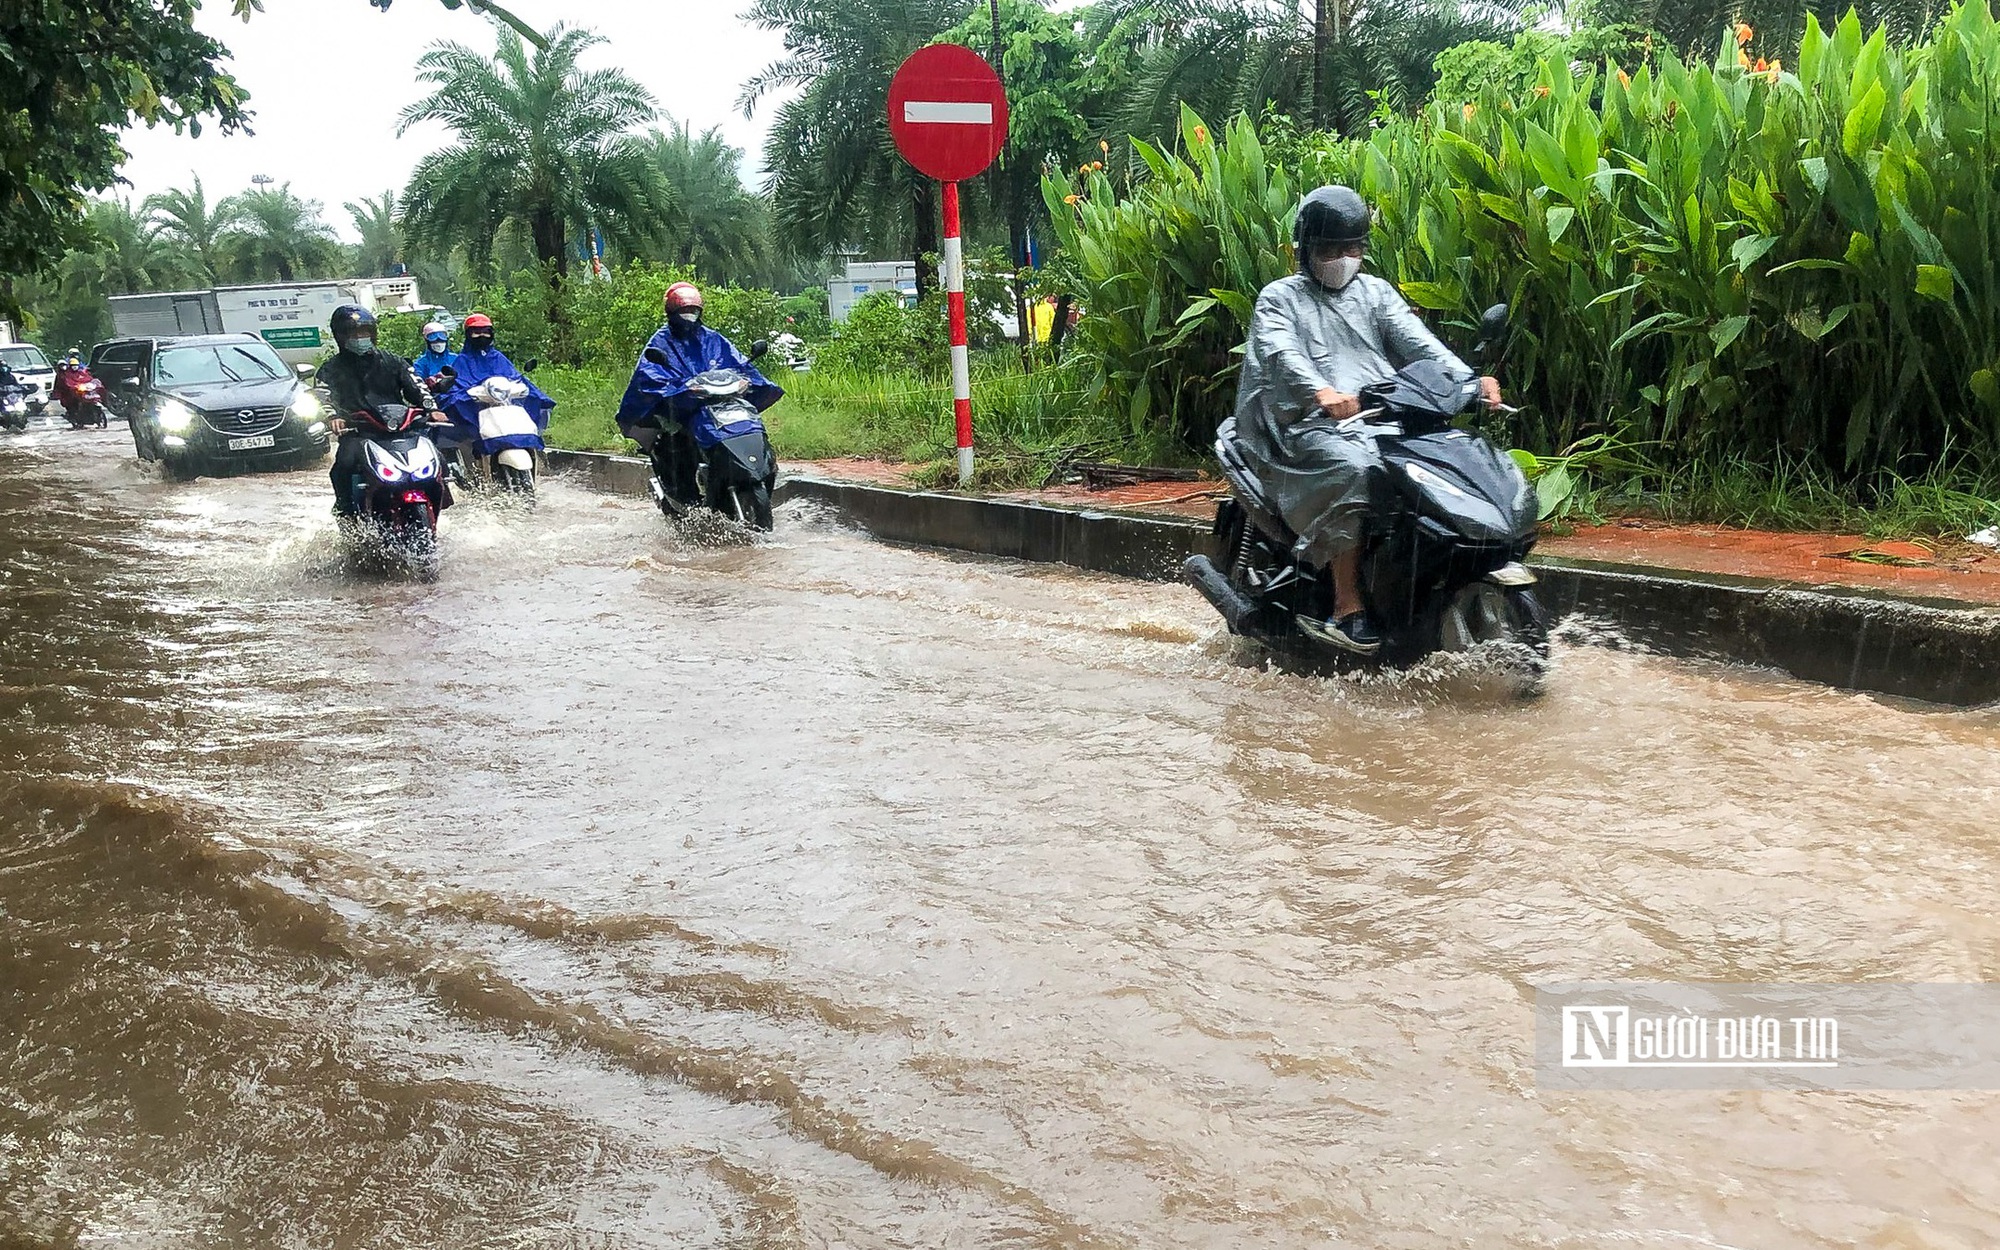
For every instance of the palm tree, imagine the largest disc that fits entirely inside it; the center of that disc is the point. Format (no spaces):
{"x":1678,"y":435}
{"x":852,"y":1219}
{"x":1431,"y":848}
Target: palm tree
{"x":129,"y":255}
{"x":185,"y":218}
{"x":381,"y":238}
{"x":277,"y":235}
{"x":540,"y":142}
{"x":1333,"y":70}
{"x":835,"y":174}
{"x":718,"y":226}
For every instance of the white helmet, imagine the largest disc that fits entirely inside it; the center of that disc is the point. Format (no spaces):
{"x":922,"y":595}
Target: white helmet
{"x":436,"y":327}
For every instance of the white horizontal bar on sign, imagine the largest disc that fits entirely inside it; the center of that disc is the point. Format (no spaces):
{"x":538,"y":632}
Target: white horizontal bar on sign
{"x":950,"y":112}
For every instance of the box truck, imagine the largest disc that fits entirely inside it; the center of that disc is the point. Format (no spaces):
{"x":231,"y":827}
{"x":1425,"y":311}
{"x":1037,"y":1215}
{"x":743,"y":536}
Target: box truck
{"x":290,"y":316}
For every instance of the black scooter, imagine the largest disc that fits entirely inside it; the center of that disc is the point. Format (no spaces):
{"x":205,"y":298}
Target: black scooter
{"x":1450,"y":522}
{"x":736,"y":476}
{"x":399,"y":492}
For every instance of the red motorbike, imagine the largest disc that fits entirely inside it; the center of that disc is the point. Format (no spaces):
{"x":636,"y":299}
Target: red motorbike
{"x":81,"y":396}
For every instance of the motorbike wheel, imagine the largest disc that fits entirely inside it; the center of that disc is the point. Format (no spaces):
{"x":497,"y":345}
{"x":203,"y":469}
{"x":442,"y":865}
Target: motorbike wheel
{"x":751,"y":506}
{"x":414,"y":542}
{"x":1483,"y":614}
{"x":519,"y":482}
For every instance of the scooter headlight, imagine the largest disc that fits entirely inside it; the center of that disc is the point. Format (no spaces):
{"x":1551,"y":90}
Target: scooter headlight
{"x":423,"y":463}
{"x":384,"y":466}
{"x":174,"y":416}
{"x":1435,"y":484}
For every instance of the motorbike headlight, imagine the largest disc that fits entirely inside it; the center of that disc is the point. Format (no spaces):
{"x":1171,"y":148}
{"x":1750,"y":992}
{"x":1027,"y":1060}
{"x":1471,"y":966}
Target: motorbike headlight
{"x":1434,"y":483}
{"x":175,"y":417}
{"x":306,"y":406}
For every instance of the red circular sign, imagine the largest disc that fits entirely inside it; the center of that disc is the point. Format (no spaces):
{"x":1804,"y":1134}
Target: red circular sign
{"x":947,"y":112}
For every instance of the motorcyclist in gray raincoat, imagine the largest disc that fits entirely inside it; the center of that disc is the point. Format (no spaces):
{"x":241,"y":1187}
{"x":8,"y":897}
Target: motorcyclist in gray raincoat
{"x":1316,"y":339}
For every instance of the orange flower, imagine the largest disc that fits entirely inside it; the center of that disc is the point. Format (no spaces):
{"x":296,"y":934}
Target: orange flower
{"x":1624,"y":79}
{"x":1201,"y":134}
{"x":1743,"y":59}
{"x":1777,"y":68}
{"x":1743,"y":33}
{"x":1763,"y":66}
{"x":1072,"y":199}
{"x":1104,"y":147}
{"x":1096,"y":165}
{"x":1083,"y":168}
{"x":1542,"y":92}
{"x":1468,"y":111}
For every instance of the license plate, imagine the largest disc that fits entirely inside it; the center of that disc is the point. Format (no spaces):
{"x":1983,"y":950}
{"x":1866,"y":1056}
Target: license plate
{"x":259,"y":440}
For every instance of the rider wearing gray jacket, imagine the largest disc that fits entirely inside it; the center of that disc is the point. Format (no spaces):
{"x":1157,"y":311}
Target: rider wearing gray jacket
{"x":1316,"y":339}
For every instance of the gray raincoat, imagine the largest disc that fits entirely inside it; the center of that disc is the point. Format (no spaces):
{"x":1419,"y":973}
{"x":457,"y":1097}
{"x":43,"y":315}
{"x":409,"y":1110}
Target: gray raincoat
{"x":1303,"y":338}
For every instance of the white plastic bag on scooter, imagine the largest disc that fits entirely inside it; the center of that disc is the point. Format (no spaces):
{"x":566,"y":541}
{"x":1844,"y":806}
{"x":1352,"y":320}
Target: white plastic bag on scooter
{"x":507,"y":431}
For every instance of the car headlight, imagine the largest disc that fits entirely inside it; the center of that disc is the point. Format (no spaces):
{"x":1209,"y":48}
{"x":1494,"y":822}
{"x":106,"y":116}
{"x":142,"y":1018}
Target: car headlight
{"x":306,"y":406}
{"x":175,"y":417}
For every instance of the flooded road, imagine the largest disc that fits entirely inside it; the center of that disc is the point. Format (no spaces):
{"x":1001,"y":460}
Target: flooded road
{"x":621,"y":891}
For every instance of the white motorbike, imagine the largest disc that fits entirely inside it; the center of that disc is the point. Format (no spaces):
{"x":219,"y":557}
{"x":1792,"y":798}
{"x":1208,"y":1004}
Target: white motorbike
{"x":507,"y":435}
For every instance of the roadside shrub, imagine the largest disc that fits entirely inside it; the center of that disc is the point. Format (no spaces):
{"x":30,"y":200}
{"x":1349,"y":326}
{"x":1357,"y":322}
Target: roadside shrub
{"x":1751,"y":262}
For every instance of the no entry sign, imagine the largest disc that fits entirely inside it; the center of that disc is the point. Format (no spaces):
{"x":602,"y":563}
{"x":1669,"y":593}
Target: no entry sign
{"x":948,"y":115}
{"x":947,"y":112}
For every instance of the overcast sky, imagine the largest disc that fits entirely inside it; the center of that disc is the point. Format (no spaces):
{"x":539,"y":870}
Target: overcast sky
{"x":327,"y":79}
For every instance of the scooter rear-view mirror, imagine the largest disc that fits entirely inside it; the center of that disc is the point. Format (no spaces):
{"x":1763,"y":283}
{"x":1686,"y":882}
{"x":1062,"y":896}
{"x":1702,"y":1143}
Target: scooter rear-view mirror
{"x":656,"y":356}
{"x":1492,"y":329}
{"x":759,"y":348}
{"x":532,"y":365}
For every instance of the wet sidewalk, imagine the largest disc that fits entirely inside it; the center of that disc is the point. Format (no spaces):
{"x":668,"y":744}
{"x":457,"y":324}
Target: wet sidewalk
{"x":1924,"y":569}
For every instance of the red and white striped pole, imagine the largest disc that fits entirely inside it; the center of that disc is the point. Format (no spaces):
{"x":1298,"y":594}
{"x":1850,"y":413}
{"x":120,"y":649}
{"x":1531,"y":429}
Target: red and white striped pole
{"x":954,"y":297}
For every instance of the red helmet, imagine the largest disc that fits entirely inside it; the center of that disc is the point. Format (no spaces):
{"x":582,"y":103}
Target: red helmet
{"x":681,"y":297}
{"x":479,"y":321}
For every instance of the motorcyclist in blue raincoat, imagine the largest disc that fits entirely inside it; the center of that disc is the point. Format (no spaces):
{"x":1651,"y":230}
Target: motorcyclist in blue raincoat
{"x":657,"y":401}
{"x":477,"y":361}
{"x":437,"y":355}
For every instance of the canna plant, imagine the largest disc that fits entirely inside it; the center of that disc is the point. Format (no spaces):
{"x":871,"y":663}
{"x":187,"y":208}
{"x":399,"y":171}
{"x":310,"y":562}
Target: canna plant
{"x":1737,"y":262}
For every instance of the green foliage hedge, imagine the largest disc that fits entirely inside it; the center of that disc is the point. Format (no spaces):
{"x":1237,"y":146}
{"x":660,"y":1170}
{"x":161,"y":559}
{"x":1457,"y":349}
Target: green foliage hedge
{"x":1789,"y":267}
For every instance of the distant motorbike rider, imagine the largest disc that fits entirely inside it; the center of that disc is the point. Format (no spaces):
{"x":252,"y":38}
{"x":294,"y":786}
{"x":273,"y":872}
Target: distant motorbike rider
{"x":656,"y":400}
{"x":361,"y":375}
{"x":478,"y":361}
{"x":437,"y":355}
{"x":1316,"y":339}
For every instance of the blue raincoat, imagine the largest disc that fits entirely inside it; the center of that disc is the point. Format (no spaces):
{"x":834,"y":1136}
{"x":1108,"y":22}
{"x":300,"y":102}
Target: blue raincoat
{"x":429,"y":364}
{"x":658,"y":390}
{"x":474,"y":368}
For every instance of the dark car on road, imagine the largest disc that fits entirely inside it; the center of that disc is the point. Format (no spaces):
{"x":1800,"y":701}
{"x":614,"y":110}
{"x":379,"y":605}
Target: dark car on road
{"x":211,"y":403}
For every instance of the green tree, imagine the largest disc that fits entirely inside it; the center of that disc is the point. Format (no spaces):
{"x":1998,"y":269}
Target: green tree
{"x":186,"y":219}
{"x":381,"y":245}
{"x":1340,"y":70}
{"x":274,"y":235}
{"x":73,"y":75}
{"x":542,"y":142}
{"x":719,"y":228}
{"x":835,"y":175}
{"x":129,"y":255}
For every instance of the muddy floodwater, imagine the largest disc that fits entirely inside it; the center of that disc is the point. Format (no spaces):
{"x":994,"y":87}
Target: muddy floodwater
{"x":624,"y":890}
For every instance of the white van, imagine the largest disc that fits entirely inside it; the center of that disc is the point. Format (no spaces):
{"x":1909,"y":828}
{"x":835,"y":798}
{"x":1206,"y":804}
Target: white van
{"x":33,"y":368}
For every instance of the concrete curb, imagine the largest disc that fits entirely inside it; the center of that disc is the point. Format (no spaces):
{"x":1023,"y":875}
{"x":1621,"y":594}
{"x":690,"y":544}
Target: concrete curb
{"x":1853,"y":640}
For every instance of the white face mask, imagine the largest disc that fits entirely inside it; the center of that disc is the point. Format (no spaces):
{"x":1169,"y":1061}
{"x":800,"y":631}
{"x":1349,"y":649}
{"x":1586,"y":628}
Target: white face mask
{"x":1337,"y":271}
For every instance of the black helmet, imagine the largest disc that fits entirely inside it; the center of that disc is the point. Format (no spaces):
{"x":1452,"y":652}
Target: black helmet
{"x":348,"y":322}
{"x":1329,"y":215}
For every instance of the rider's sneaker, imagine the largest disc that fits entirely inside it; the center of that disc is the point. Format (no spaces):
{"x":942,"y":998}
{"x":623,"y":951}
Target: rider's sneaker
{"x":1353,"y":633}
